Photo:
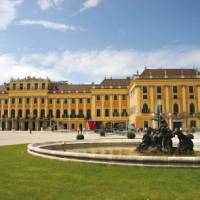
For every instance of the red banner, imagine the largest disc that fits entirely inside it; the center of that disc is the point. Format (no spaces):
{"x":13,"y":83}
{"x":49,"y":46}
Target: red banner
{"x":91,"y":125}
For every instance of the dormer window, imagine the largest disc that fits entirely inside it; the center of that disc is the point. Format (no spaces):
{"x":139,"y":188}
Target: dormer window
{"x":43,"y":85}
{"x":21,"y":86}
{"x":14,"y":86}
{"x":36,"y":86}
{"x":28,"y":86}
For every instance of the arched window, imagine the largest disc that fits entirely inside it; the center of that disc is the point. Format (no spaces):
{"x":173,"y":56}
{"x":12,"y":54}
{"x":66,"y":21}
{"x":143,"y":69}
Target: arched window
{"x":192,"y":108}
{"x":5,"y":113}
{"x":19,"y":113}
{"x":176,"y":108}
{"x":73,"y":113}
{"x":27,"y":113}
{"x":88,"y":114}
{"x":12,"y":113}
{"x":80,"y":113}
{"x":57,"y":113}
{"x":42,"y":113}
{"x":50,"y":113}
{"x":65,"y":114}
{"x":145,"y":108}
{"x":35,"y":113}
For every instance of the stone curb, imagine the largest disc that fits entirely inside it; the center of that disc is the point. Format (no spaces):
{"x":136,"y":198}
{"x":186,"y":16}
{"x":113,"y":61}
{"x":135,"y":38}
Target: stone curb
{"x":164,"y":161}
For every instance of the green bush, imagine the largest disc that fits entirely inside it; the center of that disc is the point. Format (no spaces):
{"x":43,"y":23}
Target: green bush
{"x":130,"y":135}
{"x":102,"y":133}
{"x":190,"y":135}
{"x":80,"y":137}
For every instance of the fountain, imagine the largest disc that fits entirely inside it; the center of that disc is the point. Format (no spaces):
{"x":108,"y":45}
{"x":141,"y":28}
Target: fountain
{"x":155,"y":149}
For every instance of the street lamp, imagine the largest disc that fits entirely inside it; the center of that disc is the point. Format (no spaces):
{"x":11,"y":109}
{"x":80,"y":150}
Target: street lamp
{"x":157,"y":116}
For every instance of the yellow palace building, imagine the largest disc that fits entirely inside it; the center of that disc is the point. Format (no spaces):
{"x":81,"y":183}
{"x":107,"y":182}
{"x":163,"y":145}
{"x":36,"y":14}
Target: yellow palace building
{"x":36,"y":104}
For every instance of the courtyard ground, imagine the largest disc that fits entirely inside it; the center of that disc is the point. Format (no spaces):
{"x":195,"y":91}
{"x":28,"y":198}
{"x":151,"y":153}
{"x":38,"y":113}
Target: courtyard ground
{"x":24,"y":137}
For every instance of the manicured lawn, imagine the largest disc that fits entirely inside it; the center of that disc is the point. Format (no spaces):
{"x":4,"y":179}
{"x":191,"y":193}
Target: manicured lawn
{"x":25,"y":177}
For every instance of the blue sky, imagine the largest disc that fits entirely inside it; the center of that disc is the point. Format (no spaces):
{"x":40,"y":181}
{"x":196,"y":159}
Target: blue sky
{"x":86,"y":40}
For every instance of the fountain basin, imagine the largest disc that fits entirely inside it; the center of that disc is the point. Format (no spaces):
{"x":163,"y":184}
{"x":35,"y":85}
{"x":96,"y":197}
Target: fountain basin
{"x":101,"y":151}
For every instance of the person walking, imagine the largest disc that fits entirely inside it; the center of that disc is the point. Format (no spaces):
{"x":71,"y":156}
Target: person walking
{"x":81,"y":128}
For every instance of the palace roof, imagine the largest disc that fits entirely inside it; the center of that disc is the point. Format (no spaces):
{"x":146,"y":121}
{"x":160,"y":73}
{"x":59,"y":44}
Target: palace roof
{"x":170,"y":73}
{"x":74,"y":87}
{"x":115,"y":83}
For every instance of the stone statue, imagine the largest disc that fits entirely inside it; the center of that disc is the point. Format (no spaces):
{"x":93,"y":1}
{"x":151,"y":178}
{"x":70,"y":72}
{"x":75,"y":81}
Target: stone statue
{"x":160,"y":140}
{"x":185,"y":142}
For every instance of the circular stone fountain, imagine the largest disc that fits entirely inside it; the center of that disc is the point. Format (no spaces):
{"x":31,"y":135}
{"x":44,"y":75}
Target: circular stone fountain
{"x":111,"y":151}
{"x":155,"y":149}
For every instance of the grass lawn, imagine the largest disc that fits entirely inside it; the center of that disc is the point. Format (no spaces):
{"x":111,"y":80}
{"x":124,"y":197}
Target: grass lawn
{"x":25,"y":177}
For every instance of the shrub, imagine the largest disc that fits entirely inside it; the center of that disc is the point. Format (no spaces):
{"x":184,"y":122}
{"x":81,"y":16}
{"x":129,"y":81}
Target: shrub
{"x":130,"y":135}
{"x":190,"y":135}
{"x":102,"y":133}
{"x":80,"y":137}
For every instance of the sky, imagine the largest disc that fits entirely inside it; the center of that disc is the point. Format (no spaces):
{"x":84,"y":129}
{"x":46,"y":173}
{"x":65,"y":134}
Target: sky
{"x":83,"y":41}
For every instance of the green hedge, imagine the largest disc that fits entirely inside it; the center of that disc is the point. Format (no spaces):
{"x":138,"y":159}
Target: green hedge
{"x":130,"y":135}
{"x":80,"y":137}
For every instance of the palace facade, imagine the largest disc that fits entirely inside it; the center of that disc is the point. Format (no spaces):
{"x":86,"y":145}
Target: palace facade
{"x":35,"y":103}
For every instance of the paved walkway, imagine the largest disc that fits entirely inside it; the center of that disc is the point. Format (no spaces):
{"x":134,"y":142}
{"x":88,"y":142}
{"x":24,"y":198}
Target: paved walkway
{"x":24,"y":137}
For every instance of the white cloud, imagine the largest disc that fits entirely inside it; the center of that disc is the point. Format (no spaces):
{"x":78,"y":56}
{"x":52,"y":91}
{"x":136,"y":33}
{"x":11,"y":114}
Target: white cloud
{"x":8,"y":12}
{"x":88,"y":66}
{"x":50,"y":25}
{"x":90,"y":4}
{"x":46,"y":4}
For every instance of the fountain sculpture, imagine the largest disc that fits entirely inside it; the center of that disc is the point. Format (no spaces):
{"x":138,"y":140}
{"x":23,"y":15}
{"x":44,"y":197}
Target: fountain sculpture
{"x":160,"y":140}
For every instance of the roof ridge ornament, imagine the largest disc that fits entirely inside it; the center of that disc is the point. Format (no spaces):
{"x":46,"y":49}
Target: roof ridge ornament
{"x":182,"y":74}
{"x":150,"y":75}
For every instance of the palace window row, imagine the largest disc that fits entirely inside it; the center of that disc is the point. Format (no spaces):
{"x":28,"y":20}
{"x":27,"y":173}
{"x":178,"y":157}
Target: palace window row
{"x":174,"y":92}
{"x":146,"y":109}
{"x":28,"y":86}
{"x":50,"y":114}
{"x":106,"y":97}
{"x":114,"y":114}
{"x":58,"y":101}
{"x":42,"y":100}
